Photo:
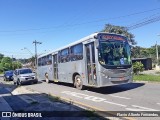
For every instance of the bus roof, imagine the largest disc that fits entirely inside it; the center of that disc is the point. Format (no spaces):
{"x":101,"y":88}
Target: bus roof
{"x":74,"y":43}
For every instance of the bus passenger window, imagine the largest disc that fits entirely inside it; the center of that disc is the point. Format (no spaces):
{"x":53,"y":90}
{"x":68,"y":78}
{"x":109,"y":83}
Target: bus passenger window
{"x":64,"y":56}
{"x":76,"y":52}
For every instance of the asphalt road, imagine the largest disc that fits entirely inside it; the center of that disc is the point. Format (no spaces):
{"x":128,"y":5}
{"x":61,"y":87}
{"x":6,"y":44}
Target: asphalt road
{"x":127,"y":97}
{"x":36,"y":106}
{"x":134,"y":96}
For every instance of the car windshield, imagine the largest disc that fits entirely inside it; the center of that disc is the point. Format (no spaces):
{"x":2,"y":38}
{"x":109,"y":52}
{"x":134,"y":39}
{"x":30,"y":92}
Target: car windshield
{"x":114,"y":53}
{"x":9,"y":72}
{"x":25,"y":71}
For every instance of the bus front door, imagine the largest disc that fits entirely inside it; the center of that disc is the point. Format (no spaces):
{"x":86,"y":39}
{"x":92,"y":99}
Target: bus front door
{"x":91,"y":66}
{"x":55,"y":67}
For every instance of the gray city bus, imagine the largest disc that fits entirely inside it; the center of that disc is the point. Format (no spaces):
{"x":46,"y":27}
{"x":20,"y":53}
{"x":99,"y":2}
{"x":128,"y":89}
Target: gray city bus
{"x":100,"y":59}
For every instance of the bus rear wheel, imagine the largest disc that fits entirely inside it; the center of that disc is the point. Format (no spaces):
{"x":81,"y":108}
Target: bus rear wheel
{"x":78,"y":82}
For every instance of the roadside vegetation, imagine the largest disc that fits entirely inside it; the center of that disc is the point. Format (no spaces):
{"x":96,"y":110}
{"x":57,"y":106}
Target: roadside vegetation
{"x":137,"y":68}
{"x":7,"y":63}
{"x":138,"y":76}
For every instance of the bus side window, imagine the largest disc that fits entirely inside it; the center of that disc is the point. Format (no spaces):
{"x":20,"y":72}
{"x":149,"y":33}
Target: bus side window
{"x":42,"y":61}
{"x":77,"y":52}
{"x":39,"y":61}
{"x":65,"y":56}
{"x":49,"y":59}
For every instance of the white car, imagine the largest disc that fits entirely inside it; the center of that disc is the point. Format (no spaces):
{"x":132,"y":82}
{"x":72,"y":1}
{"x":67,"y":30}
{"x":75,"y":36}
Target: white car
{"x":24,"y":75}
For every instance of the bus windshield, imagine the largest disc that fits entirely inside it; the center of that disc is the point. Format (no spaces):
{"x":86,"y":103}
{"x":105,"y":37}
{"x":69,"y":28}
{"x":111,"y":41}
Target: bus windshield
{"x":114,"y":53}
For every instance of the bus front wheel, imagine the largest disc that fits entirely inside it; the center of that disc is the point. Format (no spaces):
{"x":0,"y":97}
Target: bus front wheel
{"x":78,"y":82}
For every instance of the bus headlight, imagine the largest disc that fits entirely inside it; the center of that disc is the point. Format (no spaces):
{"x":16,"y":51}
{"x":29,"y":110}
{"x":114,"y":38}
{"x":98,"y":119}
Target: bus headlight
{"x":106,"y":76}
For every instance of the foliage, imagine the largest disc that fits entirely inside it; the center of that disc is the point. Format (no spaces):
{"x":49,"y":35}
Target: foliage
{"x":1,"y":56}
{"x":16,"y":65}
{"x":140,"y":52}
{"x":136,"y":52}
{"x":1,"y":67}
{"x":6,"y":63}
{"x":119,"y":30}
{"x":137,"y":67}
{"x":6,"y":60}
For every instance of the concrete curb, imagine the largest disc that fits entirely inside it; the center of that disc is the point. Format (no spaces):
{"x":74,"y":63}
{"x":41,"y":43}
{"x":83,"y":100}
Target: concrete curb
{"x":137,"y":81}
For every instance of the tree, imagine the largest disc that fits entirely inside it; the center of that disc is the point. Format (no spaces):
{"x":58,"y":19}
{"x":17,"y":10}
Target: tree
{"x":6,"y":60}
{"x":1,"y":56}
{"x":16,"y":65}
{"x":1,"y":67}
{"x":136,"y":52}
{"x":7,"y":66}
{"x":6,"y":63}
{"x":120,"y":30}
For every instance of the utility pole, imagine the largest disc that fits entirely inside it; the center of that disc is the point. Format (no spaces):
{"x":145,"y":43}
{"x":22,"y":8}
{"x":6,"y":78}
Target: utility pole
{"x":35,"y":43}
{"x":157,"y":66}
{"x":157,"y":52}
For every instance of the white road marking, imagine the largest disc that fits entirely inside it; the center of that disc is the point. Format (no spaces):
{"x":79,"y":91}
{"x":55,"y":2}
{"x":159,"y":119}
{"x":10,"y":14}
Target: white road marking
{"x":120,"y":97}
{"x":158,"y":103}
{"x":98,"y":99}
{"x":84,"y":96}
{"x":71,"y":93}
{"x":91,"y":98}
{"x":134,"y":109}
{"x":140,"y":108}
{"x":115,"y":103}
{"x":95,"y":99}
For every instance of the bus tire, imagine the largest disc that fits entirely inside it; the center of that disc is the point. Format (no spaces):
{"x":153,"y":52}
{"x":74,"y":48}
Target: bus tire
{"x":78,"y":83}
{"x":46,"y":76}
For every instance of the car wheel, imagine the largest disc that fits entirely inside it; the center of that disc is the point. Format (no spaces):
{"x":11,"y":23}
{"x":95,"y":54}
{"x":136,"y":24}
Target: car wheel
{"x":19,"y":82}
{"x":36,"y":82}
{"x":14,"y":82}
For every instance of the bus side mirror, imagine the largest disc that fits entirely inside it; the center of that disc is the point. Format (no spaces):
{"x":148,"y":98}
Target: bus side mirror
{"x":132,"y":47}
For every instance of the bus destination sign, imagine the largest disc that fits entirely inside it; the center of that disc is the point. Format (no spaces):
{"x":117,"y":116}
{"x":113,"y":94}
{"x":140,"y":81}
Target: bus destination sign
{"x":112,"y":37}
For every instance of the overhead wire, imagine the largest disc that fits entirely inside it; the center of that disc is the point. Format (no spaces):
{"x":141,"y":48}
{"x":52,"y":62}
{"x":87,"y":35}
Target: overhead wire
{"x":146,"y":22}
{"x":77,"y":24}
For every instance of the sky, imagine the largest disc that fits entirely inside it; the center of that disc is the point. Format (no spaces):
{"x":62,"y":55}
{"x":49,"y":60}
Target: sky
{"x":57,"y":23}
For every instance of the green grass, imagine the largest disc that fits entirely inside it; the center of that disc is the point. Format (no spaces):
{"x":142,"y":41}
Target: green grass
{"x":147,"y":77}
